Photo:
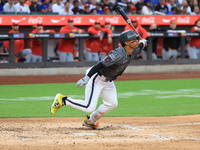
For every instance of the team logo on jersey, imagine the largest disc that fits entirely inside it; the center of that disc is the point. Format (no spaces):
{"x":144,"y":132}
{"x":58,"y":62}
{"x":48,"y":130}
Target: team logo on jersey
{"x":112,"y":56}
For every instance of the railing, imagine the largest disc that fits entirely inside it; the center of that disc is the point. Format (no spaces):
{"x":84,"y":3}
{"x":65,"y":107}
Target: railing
{"x":81,"y":40}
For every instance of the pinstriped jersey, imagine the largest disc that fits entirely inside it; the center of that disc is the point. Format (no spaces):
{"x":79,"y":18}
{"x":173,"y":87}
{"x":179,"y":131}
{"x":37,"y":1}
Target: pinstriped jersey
{"x":117,"y":61}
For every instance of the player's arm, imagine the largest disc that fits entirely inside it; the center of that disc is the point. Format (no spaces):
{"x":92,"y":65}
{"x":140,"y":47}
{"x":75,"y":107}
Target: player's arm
{"x":141,"y":46}
{"x":82,"y":82}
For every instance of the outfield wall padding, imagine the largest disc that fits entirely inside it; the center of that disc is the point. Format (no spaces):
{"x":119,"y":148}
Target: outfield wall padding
{"x":81,"y":70}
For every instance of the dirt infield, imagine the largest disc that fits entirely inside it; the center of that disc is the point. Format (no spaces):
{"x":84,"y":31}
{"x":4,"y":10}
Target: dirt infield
{"x":141,"y":133}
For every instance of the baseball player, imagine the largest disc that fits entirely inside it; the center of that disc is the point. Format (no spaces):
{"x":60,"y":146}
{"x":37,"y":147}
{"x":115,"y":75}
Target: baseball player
{"x":194,"y":45}
{"x":66,"y":46}
{"x":92,"y":45}
{"x":171,"y":44}
{"x":36,"y":44}
{"x":107,"y":43}
{"x":19,"y":44}
{"x":99,"y":81}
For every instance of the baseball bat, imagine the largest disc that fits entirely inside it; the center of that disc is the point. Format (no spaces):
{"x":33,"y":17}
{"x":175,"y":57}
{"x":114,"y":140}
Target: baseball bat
{"x":123,"y":14}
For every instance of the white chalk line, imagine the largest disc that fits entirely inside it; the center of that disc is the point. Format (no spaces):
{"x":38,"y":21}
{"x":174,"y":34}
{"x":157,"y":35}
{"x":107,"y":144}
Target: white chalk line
{"x":192,"y":93}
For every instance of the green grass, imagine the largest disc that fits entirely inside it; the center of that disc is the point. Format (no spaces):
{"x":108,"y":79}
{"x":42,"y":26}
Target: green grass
{"x":136,"y":98}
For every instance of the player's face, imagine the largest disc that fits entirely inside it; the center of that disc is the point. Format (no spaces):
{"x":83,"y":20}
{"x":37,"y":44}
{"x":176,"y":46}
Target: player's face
{"x":15,"y":28}
{"x":39,"y":28}
{"x":97,"y":26}
{"x":132,"y":44}
{"x":198,"y":24}
{"x":70,"y":24}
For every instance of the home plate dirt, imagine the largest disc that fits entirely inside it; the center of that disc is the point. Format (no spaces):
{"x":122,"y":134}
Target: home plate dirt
{"x":181,"y":132}
{"x":138,"y":133}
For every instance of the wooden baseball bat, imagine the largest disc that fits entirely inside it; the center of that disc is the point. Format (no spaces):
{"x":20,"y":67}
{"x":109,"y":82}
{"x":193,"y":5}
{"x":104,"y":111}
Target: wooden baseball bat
{"x":123,"y":14}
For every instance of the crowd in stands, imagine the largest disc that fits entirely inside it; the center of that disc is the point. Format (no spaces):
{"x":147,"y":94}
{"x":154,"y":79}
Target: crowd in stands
{"x":98,"y":7}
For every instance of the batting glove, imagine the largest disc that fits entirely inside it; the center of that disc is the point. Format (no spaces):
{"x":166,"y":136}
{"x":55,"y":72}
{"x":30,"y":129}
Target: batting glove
{"x":143,"y":42}
{"x":82,"y":82}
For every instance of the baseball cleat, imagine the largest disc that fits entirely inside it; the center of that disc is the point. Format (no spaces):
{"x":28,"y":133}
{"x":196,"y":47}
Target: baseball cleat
{"x":58,"y":103}
{"x":95,"y":125}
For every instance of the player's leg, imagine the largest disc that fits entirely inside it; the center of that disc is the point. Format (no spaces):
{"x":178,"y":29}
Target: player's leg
{"x":28,"y":53}
{"x":39,"y":58}
{"x":192,"y":52}
{"x":144,"y":55}
{"x":198,"y":53}
{"x":109,"y":96}
{"x":92,"y":92}
{"x":70,"y":57}
{"x":63,"y":56}
{"x":95,"y":57}
{"x":33,"y":58}
{"x":165,"y":55}
{"x":88,"y":56}
{"x":154,"y":56}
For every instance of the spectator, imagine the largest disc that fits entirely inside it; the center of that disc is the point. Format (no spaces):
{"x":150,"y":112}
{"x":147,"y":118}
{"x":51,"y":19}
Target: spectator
{"x":133,"y":10}
{"x":34,"y":7}
{"x":109,"y":4}
{"x":92,"y":45}
{"x":129,"y":4}
{"x":155,"y":3}
{"x":3,"y":2}
{"x":66,"y":46}
{"x":19,"y":44}
{"x":86,"y":9}
{"x":9,"y":7}
{"x":194,"y":45}
{"x":106,"y":43}
{"x":99,"y":8}
{"x":28,"y":2}
{"x":146,"y":9}
{"x":173,"y":11}
{"x":194,"y":3}
{"x":171,"y":44}
{"x":178,"y":7}
{"x":93,"y":4}
{"x":134,"y":2}
{"x":106,"y":10}
{"x":153,"y":28}
{"x":58,"y":7}
{"x":16,"y":2}
{"x":22,"y":8}
{"x":139,"y":6}
{"x":45,"y":7}
{"x":139,"y":28}
{"x":67,"y":11}
{"x":94,"y":11}
{"x":82,"y":4}
{"x":36,"y":44}
{"x":185,"y":4}
{"x":76,"y":8}
{"x":171,"y":4}
{"x":196,"y":11}
{"x":162,"y":7}
{"x":184,"y":11}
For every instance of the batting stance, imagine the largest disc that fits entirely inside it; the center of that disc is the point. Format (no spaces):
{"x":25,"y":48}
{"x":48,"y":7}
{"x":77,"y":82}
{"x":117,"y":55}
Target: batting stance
{"x":99,"y":81}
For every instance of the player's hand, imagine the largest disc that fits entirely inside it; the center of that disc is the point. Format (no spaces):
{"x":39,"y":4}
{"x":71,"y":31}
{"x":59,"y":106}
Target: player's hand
{"x":144,"y":42}
{"x":82,"y":82}
{"x":80,"y":31}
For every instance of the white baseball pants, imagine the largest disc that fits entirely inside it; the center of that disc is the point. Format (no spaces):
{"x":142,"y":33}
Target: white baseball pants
{"x":194,"y":52}
{"x":95,"y":87}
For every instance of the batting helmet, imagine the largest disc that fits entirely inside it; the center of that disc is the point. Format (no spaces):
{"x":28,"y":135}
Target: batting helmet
{"x":127,"y":35}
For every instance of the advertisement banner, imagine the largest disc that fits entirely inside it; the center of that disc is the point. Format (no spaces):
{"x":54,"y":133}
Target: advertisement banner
{"x":60,"y":20}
